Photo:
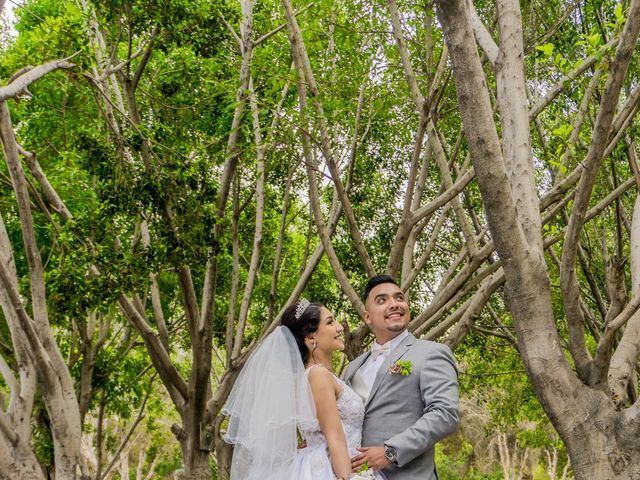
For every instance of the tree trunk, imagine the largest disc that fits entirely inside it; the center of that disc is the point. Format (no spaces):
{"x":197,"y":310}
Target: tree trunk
{"x":196,"y":461}
{"x":224,"y":454}
{"x":599,"y":454}
{"x":22,"y":465}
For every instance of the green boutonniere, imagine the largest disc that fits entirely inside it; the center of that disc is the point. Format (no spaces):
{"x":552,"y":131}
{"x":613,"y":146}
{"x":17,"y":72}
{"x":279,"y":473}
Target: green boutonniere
{"x":402,"y":367}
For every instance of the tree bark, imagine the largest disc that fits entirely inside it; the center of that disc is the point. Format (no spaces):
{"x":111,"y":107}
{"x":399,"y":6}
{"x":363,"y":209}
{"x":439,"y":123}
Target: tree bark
{"x":196,"y":461}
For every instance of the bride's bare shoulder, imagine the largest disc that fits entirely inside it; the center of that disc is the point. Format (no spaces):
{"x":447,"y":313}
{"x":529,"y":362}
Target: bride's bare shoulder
{"x":322,"y":378}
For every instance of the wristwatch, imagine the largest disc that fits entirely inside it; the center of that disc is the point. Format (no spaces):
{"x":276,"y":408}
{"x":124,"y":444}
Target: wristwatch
{"x":390,"y":453}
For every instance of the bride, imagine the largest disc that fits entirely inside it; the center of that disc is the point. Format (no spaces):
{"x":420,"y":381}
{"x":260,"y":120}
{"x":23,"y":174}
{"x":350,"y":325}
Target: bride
{"x":288,"y":388}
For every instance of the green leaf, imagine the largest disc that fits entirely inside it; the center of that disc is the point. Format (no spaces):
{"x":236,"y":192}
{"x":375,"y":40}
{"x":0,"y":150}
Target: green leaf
{"x":546,"y":49}
{"x":595,"y":39}
{"x":563,"y":131}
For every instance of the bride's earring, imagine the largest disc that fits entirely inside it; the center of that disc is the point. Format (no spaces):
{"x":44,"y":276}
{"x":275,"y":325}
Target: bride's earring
{"x":314,"y":345}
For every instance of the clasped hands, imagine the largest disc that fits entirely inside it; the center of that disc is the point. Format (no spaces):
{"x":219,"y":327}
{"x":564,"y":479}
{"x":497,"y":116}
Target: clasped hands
{"x":373,"y":457}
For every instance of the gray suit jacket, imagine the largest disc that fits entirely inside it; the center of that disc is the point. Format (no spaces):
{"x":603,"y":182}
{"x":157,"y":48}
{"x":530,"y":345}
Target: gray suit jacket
{"x":411,"y":413}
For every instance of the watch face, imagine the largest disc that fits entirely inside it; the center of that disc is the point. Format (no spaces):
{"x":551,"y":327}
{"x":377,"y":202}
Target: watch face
{"x":390,"y":453}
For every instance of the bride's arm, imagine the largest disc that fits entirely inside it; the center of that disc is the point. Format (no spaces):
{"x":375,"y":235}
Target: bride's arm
{"x":325,"y":391}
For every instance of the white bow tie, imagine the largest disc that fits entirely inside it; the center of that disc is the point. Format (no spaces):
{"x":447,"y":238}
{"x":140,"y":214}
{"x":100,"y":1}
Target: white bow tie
{"x":377,"y":349}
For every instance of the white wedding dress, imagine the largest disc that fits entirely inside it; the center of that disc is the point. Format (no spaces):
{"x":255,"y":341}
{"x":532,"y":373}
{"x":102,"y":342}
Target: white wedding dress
{"x":313,"y":462}
{"x":271,"y":401}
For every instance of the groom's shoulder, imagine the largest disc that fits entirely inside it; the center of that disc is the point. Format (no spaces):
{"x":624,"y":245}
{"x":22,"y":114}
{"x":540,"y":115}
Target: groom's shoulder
{"x":354,"y":361}
{"x":431,"y":346}
{"x":359,"y":357}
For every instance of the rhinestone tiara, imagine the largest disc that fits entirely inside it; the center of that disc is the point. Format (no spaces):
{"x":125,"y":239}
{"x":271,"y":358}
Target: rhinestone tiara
{"x":302,"y":306}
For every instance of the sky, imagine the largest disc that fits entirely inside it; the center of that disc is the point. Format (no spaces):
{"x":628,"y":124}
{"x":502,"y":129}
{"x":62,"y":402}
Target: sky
{"x":7,"y":12}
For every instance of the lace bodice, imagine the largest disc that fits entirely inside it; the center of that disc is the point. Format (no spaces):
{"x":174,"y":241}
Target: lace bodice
{"x":351,"y":411}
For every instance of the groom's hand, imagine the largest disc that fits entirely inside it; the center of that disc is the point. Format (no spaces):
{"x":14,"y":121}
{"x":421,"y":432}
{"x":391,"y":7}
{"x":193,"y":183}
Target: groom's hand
{"x":372,"y":456}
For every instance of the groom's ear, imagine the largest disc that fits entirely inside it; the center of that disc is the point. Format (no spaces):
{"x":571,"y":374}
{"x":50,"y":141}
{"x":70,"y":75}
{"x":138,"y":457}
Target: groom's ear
{"x":365,"y":317}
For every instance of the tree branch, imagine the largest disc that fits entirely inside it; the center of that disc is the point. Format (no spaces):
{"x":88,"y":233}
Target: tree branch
{"x":447,"y":180}
{"x":126,"y":438}
{"x":512,"y":102}
{"x":304,"y":66}
{"x":49,"y":192}
{"x":468,"y":318}
{"x":574,"y":137}
{"x":257,"y":238}
{"x":268,"y":35}
{"x":315,"y":196}
{"x":159,"y":356}
{"x":230,"y":164}
{"x":543,"y":102}
{"x":28,"y":75}
{"x":623,"y":361}
{"x":483,"y":37}
{"x":7,"y":430}
{"x":442,"y":199}
{"x":144,"y":61}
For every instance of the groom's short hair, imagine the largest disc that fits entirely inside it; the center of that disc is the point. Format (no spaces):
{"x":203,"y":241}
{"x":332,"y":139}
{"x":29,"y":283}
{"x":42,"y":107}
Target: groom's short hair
{"x":375,"y":281}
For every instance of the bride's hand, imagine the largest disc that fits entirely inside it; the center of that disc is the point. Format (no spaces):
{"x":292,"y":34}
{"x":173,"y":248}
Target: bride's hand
{"x":372,"y":456}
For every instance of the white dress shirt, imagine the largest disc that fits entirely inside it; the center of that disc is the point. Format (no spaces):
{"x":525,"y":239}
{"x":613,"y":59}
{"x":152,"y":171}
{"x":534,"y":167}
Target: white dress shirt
{"x":370,"y":367}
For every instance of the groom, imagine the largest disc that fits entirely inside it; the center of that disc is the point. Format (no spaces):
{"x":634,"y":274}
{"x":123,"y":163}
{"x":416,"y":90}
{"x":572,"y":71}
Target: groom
{"x":410,"y":388}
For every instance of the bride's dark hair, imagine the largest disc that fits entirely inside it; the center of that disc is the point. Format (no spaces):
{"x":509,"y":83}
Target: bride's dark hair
{"x":303,"y":326}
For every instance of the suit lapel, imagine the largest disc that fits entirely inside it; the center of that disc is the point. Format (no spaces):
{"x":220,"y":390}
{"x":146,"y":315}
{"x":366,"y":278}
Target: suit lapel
{"x":401,"y":349}
{"x":358,"y":386}
{"x":394,"y":356}
{"x":355,"y":366}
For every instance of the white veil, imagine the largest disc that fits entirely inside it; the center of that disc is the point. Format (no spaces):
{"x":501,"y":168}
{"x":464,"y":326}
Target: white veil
{"x":269,"y":400}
